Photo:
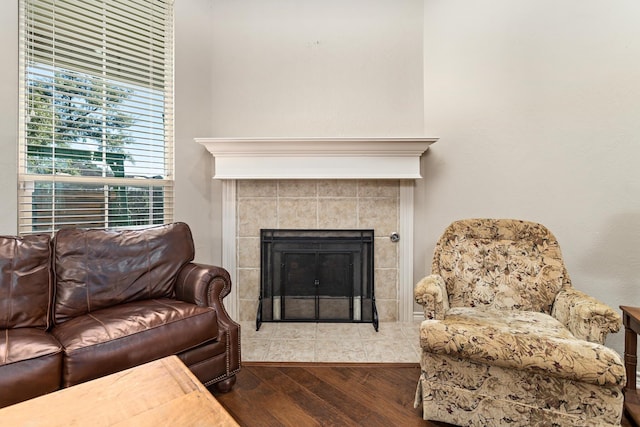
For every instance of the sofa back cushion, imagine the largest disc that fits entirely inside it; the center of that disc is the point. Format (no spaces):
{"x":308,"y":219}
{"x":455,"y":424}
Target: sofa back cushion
{"x":25,"y":281}
{"x":500,"y":263}
{"x":96,"y":269}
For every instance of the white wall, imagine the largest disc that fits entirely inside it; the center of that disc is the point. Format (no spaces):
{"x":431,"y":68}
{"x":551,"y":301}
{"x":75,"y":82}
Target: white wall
{"x":537,"y":104}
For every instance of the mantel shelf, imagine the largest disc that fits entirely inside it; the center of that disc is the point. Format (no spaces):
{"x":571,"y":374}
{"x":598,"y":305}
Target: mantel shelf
{"x":317,"y":158}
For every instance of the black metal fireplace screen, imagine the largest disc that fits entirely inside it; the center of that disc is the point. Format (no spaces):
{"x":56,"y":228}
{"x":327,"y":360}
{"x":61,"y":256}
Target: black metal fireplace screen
{"x":316,"y":276}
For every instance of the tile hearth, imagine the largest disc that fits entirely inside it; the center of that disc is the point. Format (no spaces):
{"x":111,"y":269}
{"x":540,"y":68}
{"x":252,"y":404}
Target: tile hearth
{"x":395,"y":342}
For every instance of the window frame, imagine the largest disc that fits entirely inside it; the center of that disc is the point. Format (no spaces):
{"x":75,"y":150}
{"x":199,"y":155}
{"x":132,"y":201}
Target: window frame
{"x":116,"y":181}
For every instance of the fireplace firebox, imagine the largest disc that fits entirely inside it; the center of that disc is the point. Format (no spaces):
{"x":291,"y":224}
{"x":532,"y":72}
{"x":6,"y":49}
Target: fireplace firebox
{"x":316,"y":276}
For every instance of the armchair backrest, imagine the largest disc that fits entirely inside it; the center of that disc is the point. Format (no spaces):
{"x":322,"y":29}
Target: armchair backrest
{"x":500,"y":263}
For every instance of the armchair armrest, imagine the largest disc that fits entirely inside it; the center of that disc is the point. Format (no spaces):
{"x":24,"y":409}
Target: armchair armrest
{"x":586,"y":317}
{"x":431,"y":293}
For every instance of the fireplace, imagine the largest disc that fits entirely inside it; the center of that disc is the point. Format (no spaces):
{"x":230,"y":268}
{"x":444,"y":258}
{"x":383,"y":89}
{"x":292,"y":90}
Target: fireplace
{"x":319,"y":183}
{"x":316,"y":276}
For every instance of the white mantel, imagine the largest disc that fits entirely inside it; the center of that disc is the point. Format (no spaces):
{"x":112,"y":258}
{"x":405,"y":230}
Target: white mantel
{"x":317,"y":158}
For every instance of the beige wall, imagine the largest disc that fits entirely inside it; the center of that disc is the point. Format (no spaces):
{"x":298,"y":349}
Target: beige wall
{"x":537,"y":104}
{"x":197,"y":194}
{"x":9,"y":118}
{"x":317,"y":68}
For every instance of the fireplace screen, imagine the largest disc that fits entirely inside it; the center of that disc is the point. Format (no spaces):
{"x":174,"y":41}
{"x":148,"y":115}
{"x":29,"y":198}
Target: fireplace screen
{"x":316,"y":276}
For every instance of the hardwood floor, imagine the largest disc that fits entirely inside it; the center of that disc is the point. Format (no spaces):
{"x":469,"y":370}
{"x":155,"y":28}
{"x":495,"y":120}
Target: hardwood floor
{"x":278,"y":394}
{"x":300,"y":395}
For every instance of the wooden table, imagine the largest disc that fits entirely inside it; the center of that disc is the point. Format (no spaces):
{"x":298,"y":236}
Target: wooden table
{"x":159,"y":393}
{"x":631,"y":322}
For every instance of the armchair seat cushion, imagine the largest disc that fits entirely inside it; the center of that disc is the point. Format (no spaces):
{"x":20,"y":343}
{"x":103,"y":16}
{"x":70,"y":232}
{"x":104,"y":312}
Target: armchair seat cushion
{"x":123,"y":336}
{"x":521,"y":340}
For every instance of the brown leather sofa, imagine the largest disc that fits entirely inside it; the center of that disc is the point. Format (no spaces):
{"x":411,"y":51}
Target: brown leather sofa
{"x":88,"y":303}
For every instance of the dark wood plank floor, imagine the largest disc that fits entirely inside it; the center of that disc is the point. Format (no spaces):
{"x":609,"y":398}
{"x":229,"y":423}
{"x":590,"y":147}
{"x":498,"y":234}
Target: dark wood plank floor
{"x":305,"y":394}
{"x":300,"y":395}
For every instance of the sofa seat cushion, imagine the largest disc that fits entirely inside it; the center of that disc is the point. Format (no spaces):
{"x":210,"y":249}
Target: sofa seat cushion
{"x":120,"y":337}
{"x":521,"y":340}
{"x":30,"y":364}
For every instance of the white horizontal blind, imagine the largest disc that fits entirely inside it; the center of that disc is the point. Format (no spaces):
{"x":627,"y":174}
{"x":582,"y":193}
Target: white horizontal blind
{"x":96,"y":131}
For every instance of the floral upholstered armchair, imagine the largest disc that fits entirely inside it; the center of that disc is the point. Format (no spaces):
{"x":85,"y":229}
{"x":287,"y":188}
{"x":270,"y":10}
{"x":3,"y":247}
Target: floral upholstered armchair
{"x":507,"y":340}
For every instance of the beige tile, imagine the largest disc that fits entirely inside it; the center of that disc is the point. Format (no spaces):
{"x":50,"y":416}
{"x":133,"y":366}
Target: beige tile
{"x":256,"y":188}
{"x":380,"y":214}
{"x":391,"y":331}
{"x":336,"y":350}
{"x":248,"y":309}
{"x":248,"y":330}
{"x":248,"y":252}
{"x":254,"y":350}
{"x":296,"y":331}
{"x":356,"y":342}
{"x":368,"y":332}
{"x":386,"y":283}
{"x":387,"y":309}
{"x":297,"y":213}
{"x":379,"y":188}
{"x":385,"y":253}
{"x":337,"y":188}
{"x":411,"y":330}
{"x":385,"y":351}
{"x":298,"y":188}
{"x":248,"y":283}
{"x":338,"y":213}
{"x":337,"y":331}
{"x":291,"y":350}
{"x":256,"y":213}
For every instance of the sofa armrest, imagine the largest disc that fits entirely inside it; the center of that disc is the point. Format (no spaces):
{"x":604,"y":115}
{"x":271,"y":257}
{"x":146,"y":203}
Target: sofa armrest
{"x":431,"y":293}
{"x":194,"y":281}
{"x":207,"y":285}
{"x":586,"y":317}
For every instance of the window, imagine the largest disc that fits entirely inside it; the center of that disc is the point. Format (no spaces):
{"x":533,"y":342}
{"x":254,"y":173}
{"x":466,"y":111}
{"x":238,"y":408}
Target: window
{"x":96,"y":129}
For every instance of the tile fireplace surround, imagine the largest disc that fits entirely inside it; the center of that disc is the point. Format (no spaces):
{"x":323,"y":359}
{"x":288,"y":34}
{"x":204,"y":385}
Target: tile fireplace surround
{"x":319,"y":183}
{"x":317,"y":204}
